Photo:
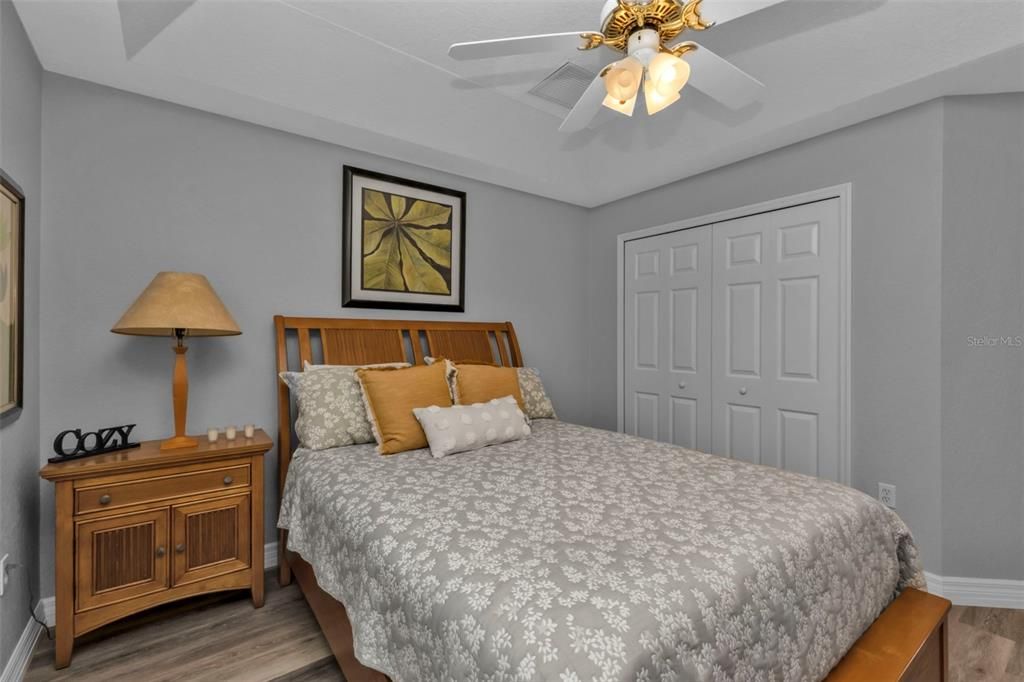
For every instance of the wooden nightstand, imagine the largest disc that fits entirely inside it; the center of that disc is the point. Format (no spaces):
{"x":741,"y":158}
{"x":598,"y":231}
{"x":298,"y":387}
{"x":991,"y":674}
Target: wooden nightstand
{"x":142,"y":527}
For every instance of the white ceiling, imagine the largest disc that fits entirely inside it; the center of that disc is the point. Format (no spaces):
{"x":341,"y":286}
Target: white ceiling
{"x":374,"y":75}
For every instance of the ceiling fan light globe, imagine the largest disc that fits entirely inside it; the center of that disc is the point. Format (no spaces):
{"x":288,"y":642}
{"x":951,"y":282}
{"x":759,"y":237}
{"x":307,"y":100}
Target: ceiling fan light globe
{"x":626,"y":108}
{"x":669,"y":73}
{"x":622,"y":80}
{"x":656,"y":100}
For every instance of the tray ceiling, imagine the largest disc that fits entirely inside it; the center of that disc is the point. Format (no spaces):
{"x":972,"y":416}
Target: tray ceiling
{"x":376,"y":76}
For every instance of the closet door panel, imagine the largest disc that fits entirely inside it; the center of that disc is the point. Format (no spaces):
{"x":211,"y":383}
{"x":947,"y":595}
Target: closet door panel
{"x":743,"y":329}
{"x":667,"y":354}
{"x":776,"y":339}
{"x":740,"y":304}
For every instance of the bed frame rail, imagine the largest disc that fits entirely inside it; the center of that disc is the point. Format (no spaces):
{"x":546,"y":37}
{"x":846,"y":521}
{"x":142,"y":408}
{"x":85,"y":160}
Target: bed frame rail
{"x":909,"y":642}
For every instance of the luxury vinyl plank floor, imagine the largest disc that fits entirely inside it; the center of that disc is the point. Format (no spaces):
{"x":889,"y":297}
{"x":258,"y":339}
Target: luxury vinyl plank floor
{"x":221,"y":638}
{"x":217,"y":638}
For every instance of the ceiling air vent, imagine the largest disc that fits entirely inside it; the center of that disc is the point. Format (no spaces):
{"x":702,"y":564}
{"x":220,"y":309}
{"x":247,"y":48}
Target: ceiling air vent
{"x":565,"y":86}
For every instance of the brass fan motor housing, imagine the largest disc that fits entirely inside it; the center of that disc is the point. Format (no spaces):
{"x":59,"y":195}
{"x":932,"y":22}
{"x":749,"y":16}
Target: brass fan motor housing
{"x":668,"y":17}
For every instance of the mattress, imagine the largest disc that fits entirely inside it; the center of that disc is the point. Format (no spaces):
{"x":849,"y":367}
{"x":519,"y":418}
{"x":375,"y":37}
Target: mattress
{"x":581,"y":554}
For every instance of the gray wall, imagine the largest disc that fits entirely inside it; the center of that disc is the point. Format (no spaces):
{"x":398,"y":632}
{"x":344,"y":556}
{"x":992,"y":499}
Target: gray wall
{"x":895,"y":165}
{"x":20,"y":101}
{"x":982,"y":294}
{"x":938,"y":257}
{"x":135,"y":186}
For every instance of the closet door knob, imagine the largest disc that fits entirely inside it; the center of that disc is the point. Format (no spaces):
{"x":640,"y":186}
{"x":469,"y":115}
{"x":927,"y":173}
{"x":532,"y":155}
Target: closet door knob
{"x":160,"y":551}
{"x":180,"y":549}
{"x":743,"y":391}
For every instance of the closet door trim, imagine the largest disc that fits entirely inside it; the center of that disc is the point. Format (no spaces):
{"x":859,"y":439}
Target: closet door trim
{"x":844,"y":193}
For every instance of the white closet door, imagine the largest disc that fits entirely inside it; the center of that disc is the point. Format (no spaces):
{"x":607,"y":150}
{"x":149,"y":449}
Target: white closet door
{"x":667,"y":322}
{"x":775,"y":346}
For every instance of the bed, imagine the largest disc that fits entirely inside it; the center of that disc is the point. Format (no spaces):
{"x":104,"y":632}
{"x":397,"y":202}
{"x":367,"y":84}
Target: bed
{"x":579,"y":554}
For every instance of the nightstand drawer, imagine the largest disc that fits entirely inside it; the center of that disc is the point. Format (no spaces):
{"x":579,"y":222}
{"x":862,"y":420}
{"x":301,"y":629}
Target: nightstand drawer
{"x":147,"y":490}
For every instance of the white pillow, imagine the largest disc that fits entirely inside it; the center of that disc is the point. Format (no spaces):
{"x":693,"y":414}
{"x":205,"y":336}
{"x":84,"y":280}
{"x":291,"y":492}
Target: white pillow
{"x":468,"y":427}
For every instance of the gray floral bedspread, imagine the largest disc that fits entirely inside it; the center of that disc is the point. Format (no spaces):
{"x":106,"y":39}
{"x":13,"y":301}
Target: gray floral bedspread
{"x":579,"y":554}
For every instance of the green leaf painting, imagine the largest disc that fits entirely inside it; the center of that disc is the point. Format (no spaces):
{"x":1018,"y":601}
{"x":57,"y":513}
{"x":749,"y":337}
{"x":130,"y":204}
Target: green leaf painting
{"x":407,"y":244}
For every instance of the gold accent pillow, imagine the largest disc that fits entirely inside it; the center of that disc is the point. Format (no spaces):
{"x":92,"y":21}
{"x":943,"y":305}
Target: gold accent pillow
{"x":484,"y":383}
{"x":391,"y":395}
{"x":536,"y":403}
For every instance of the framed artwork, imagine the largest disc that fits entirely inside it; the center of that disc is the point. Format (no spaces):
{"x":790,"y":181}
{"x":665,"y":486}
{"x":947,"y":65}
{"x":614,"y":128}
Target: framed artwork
{"x":12,"y":306}
{"x":403,"y":244}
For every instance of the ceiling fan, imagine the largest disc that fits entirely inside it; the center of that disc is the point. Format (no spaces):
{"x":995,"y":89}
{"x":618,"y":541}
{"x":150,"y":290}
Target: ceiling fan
{"x":644,"y":30}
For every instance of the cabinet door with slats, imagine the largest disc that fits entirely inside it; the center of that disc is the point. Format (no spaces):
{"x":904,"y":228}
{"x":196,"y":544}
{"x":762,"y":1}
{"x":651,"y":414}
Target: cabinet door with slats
{"x":211,"y":538}
{"x":121,"y":557}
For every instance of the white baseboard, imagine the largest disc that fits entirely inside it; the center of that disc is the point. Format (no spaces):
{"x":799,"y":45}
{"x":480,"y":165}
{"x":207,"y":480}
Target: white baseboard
{"x":47,"y":612}
{"x":17,"y":664}
{"x":988,"y":592}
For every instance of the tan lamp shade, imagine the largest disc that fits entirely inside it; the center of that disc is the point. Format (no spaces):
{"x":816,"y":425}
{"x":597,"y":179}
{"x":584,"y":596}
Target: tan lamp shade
{"x":177,"y":300}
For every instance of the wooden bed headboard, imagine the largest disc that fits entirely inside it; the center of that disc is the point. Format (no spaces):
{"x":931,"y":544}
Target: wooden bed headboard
{"x":339,"y":341}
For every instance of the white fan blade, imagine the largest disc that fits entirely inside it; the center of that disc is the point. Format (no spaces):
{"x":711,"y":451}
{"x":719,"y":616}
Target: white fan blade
{"x":721,"y":11}
{"x":505,"y":47}
{"x":586,"y":108}
{"x":721,"y":80}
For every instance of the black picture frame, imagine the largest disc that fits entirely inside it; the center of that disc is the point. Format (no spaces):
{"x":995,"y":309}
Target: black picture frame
{"x":17,"y":356}
{"x":350,"y":296}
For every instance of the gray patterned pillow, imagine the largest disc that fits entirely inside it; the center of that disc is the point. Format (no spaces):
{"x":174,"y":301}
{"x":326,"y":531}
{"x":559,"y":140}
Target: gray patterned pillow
{"x":331,"y":409}
{"x":469,"y":427}
{"x":536,"y":401}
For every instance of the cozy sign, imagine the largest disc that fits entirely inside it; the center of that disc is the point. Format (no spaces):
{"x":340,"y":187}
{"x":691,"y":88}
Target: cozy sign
{"x":75,"y":443}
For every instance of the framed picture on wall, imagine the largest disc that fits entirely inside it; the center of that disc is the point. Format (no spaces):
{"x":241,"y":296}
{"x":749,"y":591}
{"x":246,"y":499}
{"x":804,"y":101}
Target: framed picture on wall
{"x":403,"y":244}
{"x":12,"y":306}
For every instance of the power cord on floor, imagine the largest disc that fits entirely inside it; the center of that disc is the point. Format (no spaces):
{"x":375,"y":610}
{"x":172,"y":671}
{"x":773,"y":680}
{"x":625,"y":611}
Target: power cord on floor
{"x":31,"y":600}
{"x":32,"y":612}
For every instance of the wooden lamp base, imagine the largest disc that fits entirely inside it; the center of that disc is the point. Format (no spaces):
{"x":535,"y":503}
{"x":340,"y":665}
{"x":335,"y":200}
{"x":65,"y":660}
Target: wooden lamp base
{"x":180,"y":393}
{"x":178,"y":443}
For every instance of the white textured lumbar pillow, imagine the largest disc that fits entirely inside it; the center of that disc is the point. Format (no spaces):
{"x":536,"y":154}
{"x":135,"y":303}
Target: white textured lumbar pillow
{"x":467,"y":427}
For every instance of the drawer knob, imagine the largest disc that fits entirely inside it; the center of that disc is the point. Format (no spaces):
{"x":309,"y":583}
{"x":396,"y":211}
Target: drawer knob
{"x":160,"y":551}
{"x":228,"y":480}
{"x":743,"y":391}
{"x":104,"y":499}
{"x":180,"y":549}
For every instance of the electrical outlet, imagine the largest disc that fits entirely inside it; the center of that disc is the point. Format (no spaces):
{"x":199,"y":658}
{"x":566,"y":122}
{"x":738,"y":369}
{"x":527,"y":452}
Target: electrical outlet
{"x":3,"y":573}
{"x":887,"y":495}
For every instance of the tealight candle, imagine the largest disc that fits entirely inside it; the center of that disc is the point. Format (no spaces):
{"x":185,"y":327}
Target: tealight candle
{"x":230,"y":432}
{"x":250,"y":430}
{"x":212,"y":435}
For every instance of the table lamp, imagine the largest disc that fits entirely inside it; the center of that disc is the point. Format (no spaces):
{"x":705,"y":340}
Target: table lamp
{"x":178,"y":304}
